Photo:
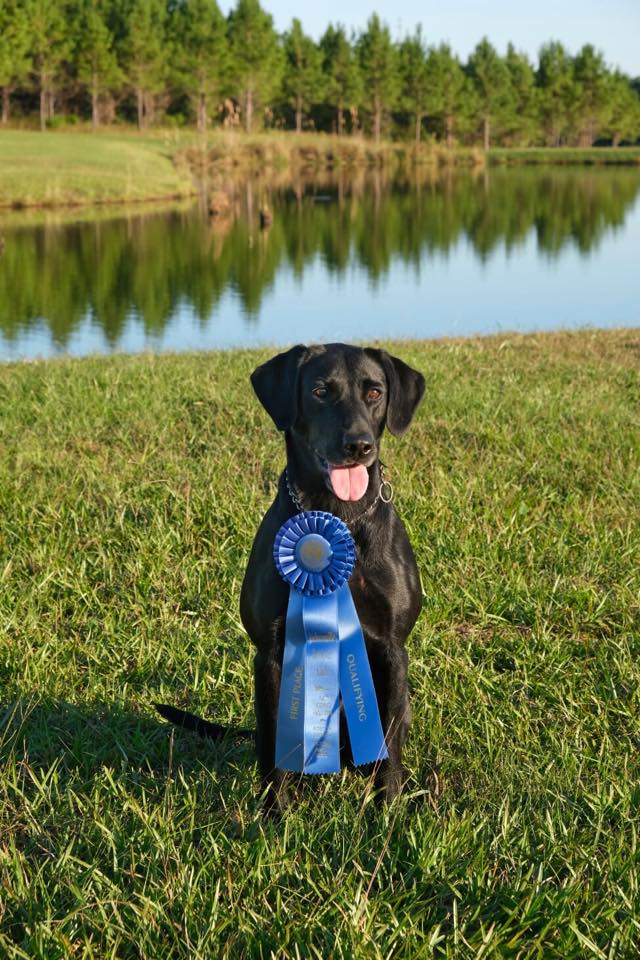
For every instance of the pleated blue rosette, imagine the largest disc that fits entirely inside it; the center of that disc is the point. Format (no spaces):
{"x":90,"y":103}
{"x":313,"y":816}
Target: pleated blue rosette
{"x":325,"y":658}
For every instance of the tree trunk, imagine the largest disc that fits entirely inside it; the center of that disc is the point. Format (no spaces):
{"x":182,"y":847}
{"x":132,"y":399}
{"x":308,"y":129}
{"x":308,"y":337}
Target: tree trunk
{"x":449,"y":129}
{"x":248,"y":113}
{"x":487,"y":132}
{"x":418,"y":126}
{"x":298,"y":115}
{"x":140,"y":107}
{"x":340,"y":118}
{"x":94,"y":103}
{"x":377,"y":122}
{"x":615,"y":140}
{"x":43,"y":104}
{"x":6,"y":105}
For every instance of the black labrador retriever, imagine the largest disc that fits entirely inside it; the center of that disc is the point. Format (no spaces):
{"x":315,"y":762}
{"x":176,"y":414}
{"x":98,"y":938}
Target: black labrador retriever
{"x":333,"y":403}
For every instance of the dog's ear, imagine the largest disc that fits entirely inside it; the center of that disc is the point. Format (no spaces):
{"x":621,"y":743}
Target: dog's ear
{"x":276,"y":385}
{"x":406,"y":389}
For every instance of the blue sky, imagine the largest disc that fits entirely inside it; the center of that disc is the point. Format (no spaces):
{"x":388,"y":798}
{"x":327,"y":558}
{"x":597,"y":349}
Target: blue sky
{"x":612,"y":25}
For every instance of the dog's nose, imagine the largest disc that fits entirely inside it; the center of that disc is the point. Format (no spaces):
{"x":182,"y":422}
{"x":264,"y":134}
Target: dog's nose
{"x":357,"y":446}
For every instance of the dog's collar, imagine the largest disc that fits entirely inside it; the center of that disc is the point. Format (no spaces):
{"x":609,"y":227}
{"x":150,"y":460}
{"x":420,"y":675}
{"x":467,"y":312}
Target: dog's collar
{"x":385,"y":494}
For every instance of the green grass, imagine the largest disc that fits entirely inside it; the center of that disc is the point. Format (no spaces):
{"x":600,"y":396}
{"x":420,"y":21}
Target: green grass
{"x":130,"y":489}
{"x":55,"y":169}
{"x":618,"y":156}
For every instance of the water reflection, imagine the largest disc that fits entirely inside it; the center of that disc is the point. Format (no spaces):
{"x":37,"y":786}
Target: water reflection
{"x":149,"y":269}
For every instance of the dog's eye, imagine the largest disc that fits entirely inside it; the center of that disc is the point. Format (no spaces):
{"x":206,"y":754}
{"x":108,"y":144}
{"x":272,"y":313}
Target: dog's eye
{"x":374,"y":394}
{"x":320,"y":392}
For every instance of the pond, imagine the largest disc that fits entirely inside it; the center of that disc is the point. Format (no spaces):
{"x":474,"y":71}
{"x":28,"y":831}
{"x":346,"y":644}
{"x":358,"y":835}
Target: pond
{"x":344,"y":258}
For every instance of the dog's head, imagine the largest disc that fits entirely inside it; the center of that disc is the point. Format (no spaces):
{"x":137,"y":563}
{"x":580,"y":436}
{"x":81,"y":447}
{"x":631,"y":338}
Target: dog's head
{"x":334,"y":401}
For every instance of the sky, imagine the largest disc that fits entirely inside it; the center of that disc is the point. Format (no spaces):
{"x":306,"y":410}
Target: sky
{"x":613,"y":26}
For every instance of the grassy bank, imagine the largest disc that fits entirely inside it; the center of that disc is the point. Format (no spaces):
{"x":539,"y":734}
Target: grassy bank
{"x":57,"y":169}
{"x":618,"y":156}
{"x":71,"y":168}
{"x":227,"y":152}
{"x":130,"y":489}
{"x":278,"y":151}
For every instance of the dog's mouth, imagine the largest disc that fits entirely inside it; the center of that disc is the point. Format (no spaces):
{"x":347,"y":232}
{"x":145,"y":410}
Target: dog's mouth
{"x":347,"y":481}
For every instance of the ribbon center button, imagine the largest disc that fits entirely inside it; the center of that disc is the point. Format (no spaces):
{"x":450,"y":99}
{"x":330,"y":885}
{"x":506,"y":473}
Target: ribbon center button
{"x":313,"y":553}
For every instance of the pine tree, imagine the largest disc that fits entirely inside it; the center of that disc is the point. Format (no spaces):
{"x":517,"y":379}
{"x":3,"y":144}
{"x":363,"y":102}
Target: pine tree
{"x":49,"y":45}
{"x":521,"y":120}
{"x":256,"y":56}
{"x":554,"y":78}
{"x":343,"y":82}
{"x":201,"y":54}
{"x":622,"y":120}
{"x":412,"y":57}
{"x":449,"y":92}
{"x":97,"y":63}
{"x":302,"y":71}
{"x":491,"y":80}
{"x":144,"y":52}
{"x":590,"y":78}
{"x":181,"y":49}
{"x":14,"y":51}
{"x":377,"y":58}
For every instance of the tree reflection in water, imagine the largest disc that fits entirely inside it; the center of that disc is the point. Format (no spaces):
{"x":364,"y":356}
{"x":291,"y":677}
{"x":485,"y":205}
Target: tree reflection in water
{"x":147,"y":264}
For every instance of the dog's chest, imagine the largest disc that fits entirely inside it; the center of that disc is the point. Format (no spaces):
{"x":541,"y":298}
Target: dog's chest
{"x":376,"y":611}
{"x":386,"y":594}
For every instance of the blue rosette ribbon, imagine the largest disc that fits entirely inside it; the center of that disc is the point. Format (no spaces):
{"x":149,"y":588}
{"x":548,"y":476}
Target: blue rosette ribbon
{"x":325,"y":658}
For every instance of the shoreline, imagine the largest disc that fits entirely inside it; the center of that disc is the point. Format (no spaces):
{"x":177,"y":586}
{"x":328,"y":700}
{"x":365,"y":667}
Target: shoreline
{"x":58,"y":170}
{"x":18,"y":206}
{"x":483,"y":341}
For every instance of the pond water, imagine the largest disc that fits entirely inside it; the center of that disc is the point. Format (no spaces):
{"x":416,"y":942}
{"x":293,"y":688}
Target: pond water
{"x":518,"y":249}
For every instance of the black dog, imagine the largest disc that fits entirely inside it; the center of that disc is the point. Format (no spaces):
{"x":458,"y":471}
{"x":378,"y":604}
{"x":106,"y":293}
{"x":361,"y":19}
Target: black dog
{"x":333,"y":403}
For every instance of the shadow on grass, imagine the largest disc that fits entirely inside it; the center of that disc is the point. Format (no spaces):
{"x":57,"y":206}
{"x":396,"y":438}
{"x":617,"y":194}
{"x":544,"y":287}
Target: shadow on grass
{"x":52,"y":746}
{"x":86,"y":738}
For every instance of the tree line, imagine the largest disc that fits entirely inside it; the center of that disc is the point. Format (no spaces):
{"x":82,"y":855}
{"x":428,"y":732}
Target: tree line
{"x":183,"y":62}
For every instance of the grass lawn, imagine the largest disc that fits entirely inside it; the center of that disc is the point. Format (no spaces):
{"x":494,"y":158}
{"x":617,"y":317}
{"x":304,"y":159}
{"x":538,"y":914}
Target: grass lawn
{"x":54,"y":169}
{"x":130,"y":489}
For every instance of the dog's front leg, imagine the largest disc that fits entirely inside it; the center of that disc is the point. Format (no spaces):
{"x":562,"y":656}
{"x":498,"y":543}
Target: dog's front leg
{"x":389,"y":668}
{"x":267,"y":670}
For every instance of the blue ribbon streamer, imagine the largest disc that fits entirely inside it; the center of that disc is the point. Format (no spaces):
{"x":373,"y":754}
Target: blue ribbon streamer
{"x":325,"y":657}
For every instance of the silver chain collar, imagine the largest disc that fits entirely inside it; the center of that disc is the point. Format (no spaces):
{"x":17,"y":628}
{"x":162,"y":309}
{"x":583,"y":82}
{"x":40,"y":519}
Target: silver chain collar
{"x":385,"y":493}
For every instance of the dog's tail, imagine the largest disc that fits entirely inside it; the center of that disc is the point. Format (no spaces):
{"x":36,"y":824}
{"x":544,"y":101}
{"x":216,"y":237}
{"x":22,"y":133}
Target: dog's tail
{"x":203,"y":728}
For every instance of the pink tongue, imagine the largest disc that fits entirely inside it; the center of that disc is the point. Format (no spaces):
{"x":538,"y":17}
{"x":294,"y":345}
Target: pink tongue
{"x":349,"y":483}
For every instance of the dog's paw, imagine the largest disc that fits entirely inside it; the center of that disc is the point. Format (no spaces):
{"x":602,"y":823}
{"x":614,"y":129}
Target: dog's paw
{"x":276,"y":799}
{"x":390,"y":781}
